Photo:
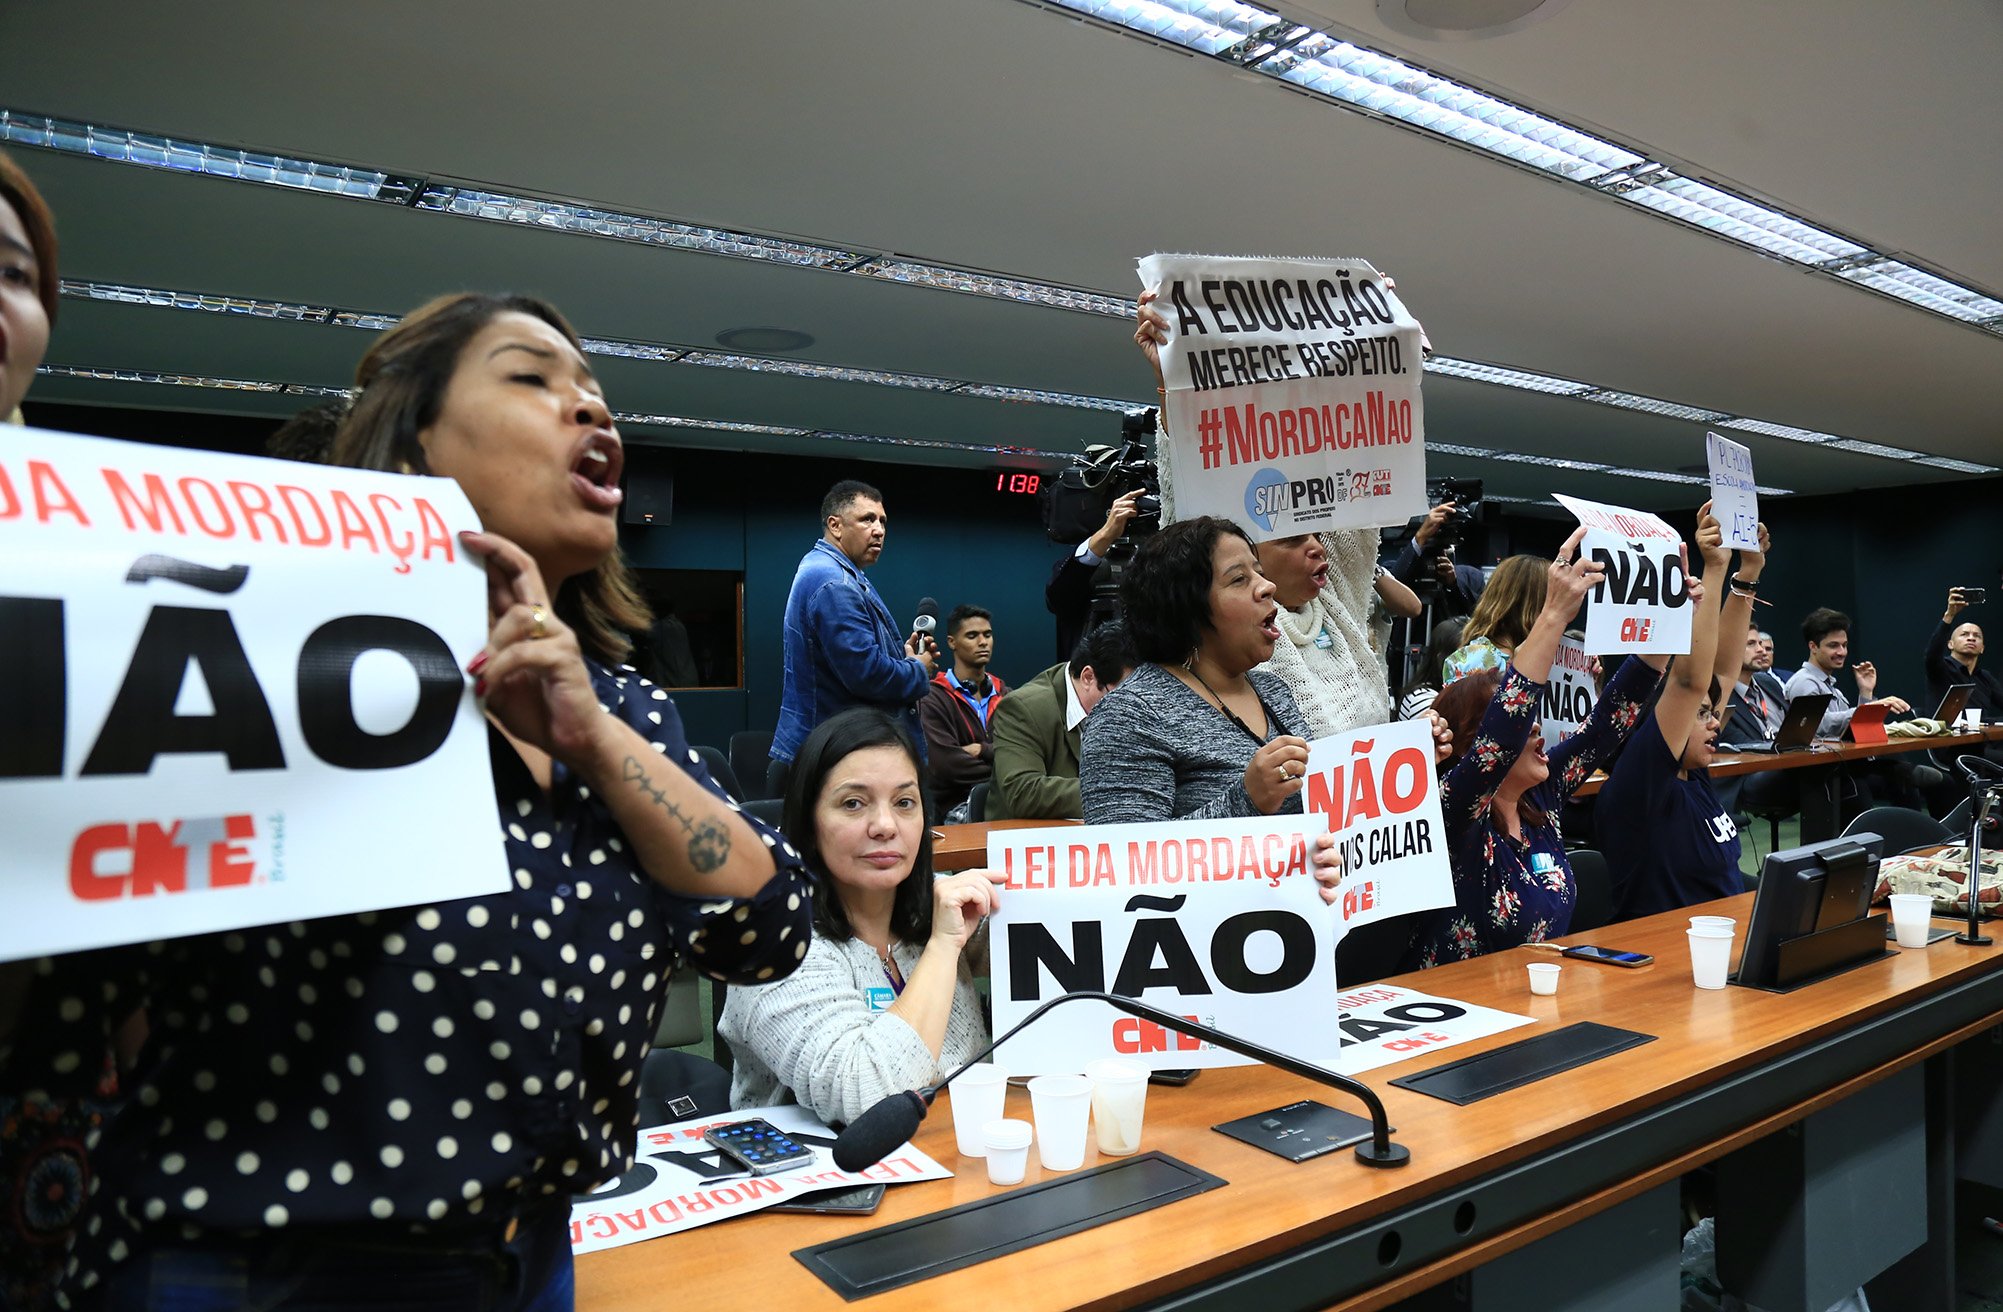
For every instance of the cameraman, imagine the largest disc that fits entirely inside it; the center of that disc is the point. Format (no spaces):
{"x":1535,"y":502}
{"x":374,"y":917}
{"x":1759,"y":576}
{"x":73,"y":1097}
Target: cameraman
{"x":1068,"y":595}
{"x":1427,"y":557}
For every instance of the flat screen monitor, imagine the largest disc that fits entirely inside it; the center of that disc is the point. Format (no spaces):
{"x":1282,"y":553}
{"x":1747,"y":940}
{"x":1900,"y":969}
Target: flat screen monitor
{"x":1804,"y":890}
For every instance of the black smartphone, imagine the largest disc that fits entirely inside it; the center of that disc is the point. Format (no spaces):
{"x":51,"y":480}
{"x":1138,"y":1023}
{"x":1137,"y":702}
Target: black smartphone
{"x":1973,"y":596}
{"x":1611,"y":956}
{"x":759,"y":1146}
{"x":1171,"y":1077}
{"x":860,"y":1201}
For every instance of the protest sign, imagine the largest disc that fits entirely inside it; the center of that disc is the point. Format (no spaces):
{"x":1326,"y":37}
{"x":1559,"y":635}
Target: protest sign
{"x":1382,"y":1023}
{"x":1292,"y":399}
{"x":1375,"y":790}
{"x":1571,"y":691}
{"x":1735,"y":498}
{"x":1643,"y":603}
{"x":218,"y":674}
{"x":1217,"y":920}
{"x":674,"y":1184}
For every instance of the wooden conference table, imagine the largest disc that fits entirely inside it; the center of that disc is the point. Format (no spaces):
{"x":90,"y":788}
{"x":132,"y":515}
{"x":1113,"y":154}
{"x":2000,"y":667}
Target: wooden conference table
{"x":1727,"y":1068}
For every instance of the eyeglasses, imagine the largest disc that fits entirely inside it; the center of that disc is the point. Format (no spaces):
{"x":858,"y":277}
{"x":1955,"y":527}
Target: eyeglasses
{"x":1709,"y":713}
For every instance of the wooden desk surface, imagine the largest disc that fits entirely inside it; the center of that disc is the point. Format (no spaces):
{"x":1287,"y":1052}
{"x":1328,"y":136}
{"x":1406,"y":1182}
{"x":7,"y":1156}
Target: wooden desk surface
{"x":963,"y":847}
{"x":1273,"y":1207}
{"x":1823,"y":753}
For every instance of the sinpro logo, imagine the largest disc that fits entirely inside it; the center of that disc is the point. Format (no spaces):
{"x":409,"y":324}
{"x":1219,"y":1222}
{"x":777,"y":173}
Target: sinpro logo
{"x":1266,"y":496}
{"x":151,"y":857}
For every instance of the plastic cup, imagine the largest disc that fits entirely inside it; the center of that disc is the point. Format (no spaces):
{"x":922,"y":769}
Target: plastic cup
{"x":1713,"y":922}
{"x":1005,"y":1144}
{"x":1062,"y":1105}
{"x":1972,"y":717}
{"x":1710,"y":955}
{"x":1543,"y":978}
{"x":1119,"y":1100}
{"x":1912,"y":917}
{"x":976,"y":1098}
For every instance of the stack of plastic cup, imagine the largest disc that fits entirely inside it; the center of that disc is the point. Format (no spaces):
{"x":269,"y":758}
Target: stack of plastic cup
{"x":1710,"y":951}
{"x":1006,"y":1146}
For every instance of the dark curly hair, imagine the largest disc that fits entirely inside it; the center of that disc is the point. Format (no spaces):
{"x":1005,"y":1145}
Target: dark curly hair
{"x":856,"y":730}
{"x":1462,"y":704}
{"x":1166,"y":592}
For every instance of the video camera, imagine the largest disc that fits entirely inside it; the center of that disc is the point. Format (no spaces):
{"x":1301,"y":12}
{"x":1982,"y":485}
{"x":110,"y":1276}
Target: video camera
{"x":1465,"y":493}
{"x":1084,"y":491}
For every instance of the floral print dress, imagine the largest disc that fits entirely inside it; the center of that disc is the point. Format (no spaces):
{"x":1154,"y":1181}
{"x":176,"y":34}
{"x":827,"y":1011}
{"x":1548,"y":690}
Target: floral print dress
{"x":1511,"y":891}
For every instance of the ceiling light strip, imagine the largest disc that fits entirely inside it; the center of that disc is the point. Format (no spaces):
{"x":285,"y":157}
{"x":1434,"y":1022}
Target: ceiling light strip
{"x":636,"y":419}
{"x":1383,"y":86}
{"x":1445,"y":366}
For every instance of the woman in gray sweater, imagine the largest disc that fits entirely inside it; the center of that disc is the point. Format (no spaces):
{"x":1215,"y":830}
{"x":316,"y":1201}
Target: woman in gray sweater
{"x":1195,"y":732}
{"x":884,"y":999}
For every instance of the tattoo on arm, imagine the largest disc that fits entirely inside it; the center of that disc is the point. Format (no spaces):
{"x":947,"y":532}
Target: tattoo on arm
{"x":709,"y":842}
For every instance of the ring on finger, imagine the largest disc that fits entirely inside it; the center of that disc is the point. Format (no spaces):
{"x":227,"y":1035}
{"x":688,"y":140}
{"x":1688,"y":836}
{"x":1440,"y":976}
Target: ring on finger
{"x":537,"y":629}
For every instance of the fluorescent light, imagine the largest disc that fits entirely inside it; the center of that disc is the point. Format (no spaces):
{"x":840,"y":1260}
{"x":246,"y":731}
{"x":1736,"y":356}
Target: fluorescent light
{"x":185,"y":380}
{"x":1503,"y":376}
{"x":175,"y":155}
{"x":670,"y":353}
{"x":1958,"y":466}
{"x":1384,"y":86}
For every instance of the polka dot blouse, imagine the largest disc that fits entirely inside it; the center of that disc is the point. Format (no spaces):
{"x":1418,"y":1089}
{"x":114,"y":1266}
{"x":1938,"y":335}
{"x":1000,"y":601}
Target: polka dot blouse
{"x":432,"y":1068}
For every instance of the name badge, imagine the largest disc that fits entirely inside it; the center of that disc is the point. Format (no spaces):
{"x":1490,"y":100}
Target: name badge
{"x":1542,"y":863}
{"x":1323,"y":640}
{"x":879,"y":998}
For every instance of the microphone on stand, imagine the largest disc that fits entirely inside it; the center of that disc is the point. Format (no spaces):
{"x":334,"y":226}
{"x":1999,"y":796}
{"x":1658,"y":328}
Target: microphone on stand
{"x":872,"y":1136}
{"x":1983,"y":777}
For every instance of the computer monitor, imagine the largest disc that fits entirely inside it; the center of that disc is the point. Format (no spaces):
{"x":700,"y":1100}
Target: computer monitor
{"x":1809,"y":890}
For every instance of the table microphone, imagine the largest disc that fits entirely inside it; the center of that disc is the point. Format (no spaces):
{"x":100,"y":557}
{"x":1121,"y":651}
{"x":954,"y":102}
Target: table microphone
{"x":873,"y":1135}
{"x":1983,"y":777}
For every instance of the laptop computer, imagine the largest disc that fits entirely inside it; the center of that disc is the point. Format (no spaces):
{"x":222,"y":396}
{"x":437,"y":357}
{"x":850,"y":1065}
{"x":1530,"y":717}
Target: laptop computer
{"x":1953,"y":702}
{"x":1797,"y":727}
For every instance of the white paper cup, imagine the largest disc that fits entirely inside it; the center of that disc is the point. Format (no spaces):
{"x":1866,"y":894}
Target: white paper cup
{"x":1912,"y":917}
{"x":976,"y":1098}
{"x":1119,"y":1100}
{"x":1062,"y":1105}
{"x":1710,"y":955}
{"x":1006,"y":1146}
{"x":1972,"y":717}
{"x":1713,"y":922}
{"x":1543,"y":978}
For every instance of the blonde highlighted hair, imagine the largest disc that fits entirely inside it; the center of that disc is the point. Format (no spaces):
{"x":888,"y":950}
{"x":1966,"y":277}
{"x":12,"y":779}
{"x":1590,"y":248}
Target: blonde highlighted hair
{"x":1509,"y":605}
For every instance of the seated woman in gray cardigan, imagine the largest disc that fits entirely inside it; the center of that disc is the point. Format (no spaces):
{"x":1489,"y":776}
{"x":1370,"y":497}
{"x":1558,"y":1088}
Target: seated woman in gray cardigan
{"x":1195,"y":732}
{"x":885,"y":999}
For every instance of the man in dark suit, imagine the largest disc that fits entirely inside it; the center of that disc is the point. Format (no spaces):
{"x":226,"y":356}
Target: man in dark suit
{"x":1755,"y":709}
{"x":1035,"y":729}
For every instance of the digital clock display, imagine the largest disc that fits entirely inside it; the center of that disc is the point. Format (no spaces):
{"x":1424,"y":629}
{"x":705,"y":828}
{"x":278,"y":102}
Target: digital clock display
{"x":1014,"y":480}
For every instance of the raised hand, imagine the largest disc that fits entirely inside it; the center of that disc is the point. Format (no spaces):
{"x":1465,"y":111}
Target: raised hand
{"x":1151,"y":333}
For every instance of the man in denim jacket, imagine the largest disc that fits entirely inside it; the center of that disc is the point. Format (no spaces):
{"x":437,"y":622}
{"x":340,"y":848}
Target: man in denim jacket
{"x":842,"y":647}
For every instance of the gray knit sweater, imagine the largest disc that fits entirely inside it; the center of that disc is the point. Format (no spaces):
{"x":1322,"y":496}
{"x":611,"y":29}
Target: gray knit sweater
{"x":1155,"y":750}
{"x":811,"y":1038}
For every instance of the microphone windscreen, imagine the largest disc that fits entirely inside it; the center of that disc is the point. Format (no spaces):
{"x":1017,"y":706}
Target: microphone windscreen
{"x":873,"y":1135}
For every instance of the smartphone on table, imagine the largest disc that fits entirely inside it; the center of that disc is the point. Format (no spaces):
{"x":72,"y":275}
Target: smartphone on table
{"x":758,"y":1146}
{"x":859,"y":1201}
{"x":1611,"y":956}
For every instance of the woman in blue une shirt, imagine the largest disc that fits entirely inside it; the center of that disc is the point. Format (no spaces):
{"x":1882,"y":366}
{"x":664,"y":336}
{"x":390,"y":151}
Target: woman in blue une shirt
{"x":1669,"y":841}
{"x":394,"y":1108}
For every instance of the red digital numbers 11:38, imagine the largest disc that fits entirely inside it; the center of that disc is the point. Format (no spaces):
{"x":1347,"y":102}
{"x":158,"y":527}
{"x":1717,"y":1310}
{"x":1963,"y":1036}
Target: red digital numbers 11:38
{"x":1018,"y":482}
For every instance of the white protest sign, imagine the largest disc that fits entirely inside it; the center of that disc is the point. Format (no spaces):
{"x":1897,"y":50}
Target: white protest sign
{"x":230,"y":693}
{"x":1382,"y":1023}
{"x":673,"y":1185}
{"x":1217,"y":920}
{"x":1643,"y":603}
{"x":1292,"y":393}
{"x":1570,"y":692}
{"x":1376,"y":791}
{"x":1735,"y":498}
